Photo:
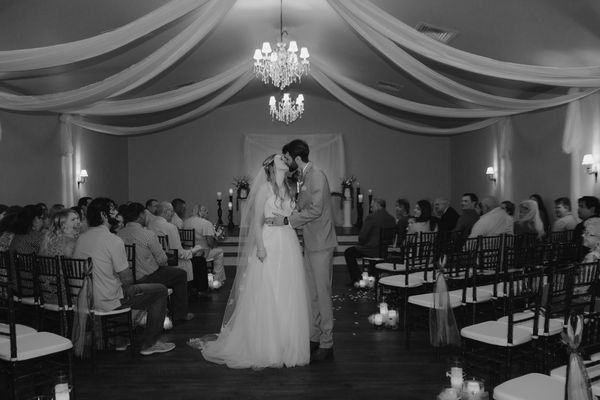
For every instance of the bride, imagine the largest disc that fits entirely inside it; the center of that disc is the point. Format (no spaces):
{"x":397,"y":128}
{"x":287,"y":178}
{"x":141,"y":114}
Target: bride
{"x":266,"y":321}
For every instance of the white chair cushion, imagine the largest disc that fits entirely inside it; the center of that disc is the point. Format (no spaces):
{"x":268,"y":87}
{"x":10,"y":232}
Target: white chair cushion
{"x":391,"y":267}
{"x":490,"y":289}
{"x":35,"y":345}
{"x":593,"y":372}
{"x":427,"y":277}
{"x":495,"y":333}
{"x":482,"y":296}
{"x":399,"y":281}
{"x":427,"y":300}
{"x":530,"y":387}
{"x":113,"y":312}
{"x":51,"y":307}
{"x":595,"y":356}
{"x":555,"y":325}
{"x":20,"y":330}
{"x":30,"y":301}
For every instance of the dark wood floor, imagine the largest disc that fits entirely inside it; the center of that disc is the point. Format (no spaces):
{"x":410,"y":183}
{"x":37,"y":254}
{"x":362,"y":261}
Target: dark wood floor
{"x":369,"y":363}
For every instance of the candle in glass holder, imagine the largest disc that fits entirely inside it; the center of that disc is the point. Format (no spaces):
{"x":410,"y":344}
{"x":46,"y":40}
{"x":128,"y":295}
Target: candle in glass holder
{"x":370,"y":192}
{"x":216,"y":284}
{"x":219,"y":195}
{"x":230,"y":205}
{"x":365,"y":275}
{"x":383,"y":309}
{"x":448,"y":393}
{"x":211,"y":277}
{"x":378,"y":319}
{"x":392,"y":317}
{"x":472,"y":388}
{"x":362,"y":283}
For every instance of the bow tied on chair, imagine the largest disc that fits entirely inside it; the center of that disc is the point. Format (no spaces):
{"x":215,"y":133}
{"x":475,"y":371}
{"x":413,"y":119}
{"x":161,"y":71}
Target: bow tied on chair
{"x":443,"y":330}
{"x":578,"y":384}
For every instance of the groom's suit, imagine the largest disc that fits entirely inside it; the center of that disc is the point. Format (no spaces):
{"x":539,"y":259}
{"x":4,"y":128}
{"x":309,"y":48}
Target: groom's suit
{"x":314,"y":215}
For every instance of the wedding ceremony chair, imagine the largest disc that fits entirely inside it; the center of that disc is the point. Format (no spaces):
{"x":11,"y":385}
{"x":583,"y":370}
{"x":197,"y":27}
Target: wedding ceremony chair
{"x":387,"y":238}
{"x":27,"y":287}
{"x":130,"y":250}
{"x":5,"y":276}
{"x":172,"y":254}
{"x":51,"y":293}
{"x":533,"y":386}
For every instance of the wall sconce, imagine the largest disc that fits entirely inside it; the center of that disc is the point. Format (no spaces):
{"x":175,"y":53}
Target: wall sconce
{"x":491,"y":174}
{"x":83,"y":175}
{"x":590,"y":165}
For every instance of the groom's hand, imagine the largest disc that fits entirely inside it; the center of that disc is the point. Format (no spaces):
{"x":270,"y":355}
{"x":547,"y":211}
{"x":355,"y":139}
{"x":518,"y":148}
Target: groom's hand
{"x":275,"y":220}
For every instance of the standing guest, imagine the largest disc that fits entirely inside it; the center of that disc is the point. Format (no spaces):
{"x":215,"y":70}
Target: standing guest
{"x":591,"y":239}
{"x":179,"y":213}
{"x":151,"y":260}
{"x":206,"y":238}
{"x":113,"y":281}
{"x":60,"y":239}
{"x":494,"y":221}
{"x":368,"y":238}
{"x":509,"y":207}
{"x":83,"y":203}
{"x":469,"y":216}
{"x":542,"y":211}
{"x":424,"y":220}
{"x":402,"y":214}
{"x":446,"y":215}
{"x":28,"y":230}
{"x":162,"y":226}
{"x":565,"y":220}
{"x":8,"y":225}
{"x":529,"y":221}
{"x":587,"y":207}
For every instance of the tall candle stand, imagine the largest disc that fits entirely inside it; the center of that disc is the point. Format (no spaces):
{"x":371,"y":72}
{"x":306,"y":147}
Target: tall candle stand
{"x":219,"y":212}
{"x":230,"y":224}
{"x":370,"y":201}
{"x":359,"y":212}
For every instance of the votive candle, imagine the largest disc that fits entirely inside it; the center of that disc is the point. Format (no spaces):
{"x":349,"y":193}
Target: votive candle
{"x":378,"y":319}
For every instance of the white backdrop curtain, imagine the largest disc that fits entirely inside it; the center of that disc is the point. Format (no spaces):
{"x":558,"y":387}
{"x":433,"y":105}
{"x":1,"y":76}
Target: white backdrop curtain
{"x":326,"y":152}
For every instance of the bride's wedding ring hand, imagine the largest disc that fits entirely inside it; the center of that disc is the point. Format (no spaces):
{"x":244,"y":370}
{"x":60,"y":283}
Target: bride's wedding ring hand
{"x":261,"y":254}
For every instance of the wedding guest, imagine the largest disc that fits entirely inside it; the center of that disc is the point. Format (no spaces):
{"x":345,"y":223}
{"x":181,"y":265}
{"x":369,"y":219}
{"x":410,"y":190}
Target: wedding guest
{"x":529,"y":221}
{"x":402,"y":214}
{"x":206,"y":238}
{"x":151,"y":205}
{"x":179,"y":213}
{"x":49,"y":216}
{"x":61,"y":238}
{"x":368,"y":238}
{"x":8,"y":225}
{"x":587,"y":207}
{"x":509,"y":207}
{"x":591,"y":239}
{"x":424,"y":220}
{"x":565,"y":220}
{"x":447,"y":216}
{"x":542,"y":211}
{"x":113,"y":280}
{"x":469,"y":215}
{"x":151,"y":260}
{"x":28,"y":230}
{"x":494,"y":221}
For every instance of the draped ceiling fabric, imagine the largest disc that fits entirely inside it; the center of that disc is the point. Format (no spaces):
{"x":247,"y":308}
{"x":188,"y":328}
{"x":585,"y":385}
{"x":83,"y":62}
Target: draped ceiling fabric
{"x":94,"y":106}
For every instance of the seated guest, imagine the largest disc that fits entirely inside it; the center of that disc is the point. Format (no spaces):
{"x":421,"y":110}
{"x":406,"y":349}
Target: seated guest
{"x":565,"y":220}
{"x":402,"y":214}
{"x":368,"y":238}
{"x":509,"y":207}
{"x":206,"y":238}
{"x":60,"y":239}
{"x":542,"y":211}
{"x":28,"y":230}
{"x":587,"y":207}
{"x":446,"y":215}
{"x":529,"y":221}
{"x":424,"y":220}
{"x":162,"y":226}
{"x":8,"y":225}
{"x":469,"y":214}
{"x":591,"y":239}
{"x":179,"y":213}
{"x":151,"y":260}
{"x":83,"y":203}
{"x":151,"y":206}
{"x":113,"y":281}
{"x":494,"y":221}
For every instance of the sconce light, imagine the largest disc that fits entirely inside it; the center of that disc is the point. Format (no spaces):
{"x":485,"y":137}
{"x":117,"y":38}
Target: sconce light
{"x":491,"y":174}
{"x":83,"y":175}
{"x":590,"y":165}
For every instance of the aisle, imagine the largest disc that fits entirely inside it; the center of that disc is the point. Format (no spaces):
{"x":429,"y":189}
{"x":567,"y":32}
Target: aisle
{"x":369,"y":363}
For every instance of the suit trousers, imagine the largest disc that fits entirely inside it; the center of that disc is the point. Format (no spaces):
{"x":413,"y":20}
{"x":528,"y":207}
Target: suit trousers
{"x":176,"y":279}
{"x":319,"y":273}
{"x":151,"y":297}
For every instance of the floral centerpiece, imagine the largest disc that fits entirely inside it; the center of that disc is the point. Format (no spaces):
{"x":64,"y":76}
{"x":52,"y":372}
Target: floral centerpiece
{"x":348,"y":189}
{"x":220,"y":233}
{"x":242,"y":185}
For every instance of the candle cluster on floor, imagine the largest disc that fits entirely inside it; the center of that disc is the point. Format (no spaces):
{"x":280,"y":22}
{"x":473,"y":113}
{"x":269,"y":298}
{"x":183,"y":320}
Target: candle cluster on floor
{"x":213,"y":283}
{"x":460,"y":388}
{"x":365,"y":282}
{"x":385,"y":317}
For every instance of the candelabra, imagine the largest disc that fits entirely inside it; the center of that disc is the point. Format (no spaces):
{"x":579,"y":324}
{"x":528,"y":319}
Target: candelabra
{"x":219,"y":212}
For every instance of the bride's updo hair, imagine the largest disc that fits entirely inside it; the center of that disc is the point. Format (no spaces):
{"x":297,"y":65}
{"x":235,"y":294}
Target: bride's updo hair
{"x":269,"y":167}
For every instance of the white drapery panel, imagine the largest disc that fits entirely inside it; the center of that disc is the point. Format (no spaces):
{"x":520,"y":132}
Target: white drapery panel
{"x":326,"y":152}
{"x":504,"y":143}
{"x":66,"y":160}
{"x":409,"y":38}
{"x":26,"y":62}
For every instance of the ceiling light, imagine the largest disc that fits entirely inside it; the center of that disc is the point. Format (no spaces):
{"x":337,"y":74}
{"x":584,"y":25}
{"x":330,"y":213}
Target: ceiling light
{"x":286,"y":110}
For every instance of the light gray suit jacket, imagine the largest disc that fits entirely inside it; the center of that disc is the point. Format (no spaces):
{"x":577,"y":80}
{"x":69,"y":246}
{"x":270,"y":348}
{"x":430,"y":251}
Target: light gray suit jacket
{"x":313,"y":211}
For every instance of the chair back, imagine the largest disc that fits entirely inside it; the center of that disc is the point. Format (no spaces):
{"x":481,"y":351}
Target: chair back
{"x":585,"y":286}
{"x":7,"y":307}
{"x":130,"y":250}
{"x":188,"y":237}
{"x":387,"y":238}
{"x":6,"y":275}
{"x":49,"y":281}
{"x":561,"y":237}
{"x":75,"y":270}
{"x":164,"y":241}
{"x":26,"y":276}
{"x":524,"y":295}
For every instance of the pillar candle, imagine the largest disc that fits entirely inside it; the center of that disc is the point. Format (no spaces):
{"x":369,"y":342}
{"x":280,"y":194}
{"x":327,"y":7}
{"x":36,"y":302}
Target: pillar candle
{"x":230,"y":205}
{"x":230,"y":191}
{"x":219,"y":195}
{"x":360,"y":198}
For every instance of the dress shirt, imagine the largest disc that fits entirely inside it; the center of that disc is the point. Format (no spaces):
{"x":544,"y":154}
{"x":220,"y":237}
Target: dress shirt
{"x":107,"y":251}
{"x":496,"y":222}
{"x":466,"y":221}
{"x":163,"y":228}
{"x":149,"y":254}
{"x":178,"y":222}
{"x":566,"y":223}
{"x":202,"y":228}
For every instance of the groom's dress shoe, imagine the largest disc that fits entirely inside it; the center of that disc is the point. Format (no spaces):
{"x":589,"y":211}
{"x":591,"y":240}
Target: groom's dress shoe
{"x":322,"y":355}
{"x":314,"y":346}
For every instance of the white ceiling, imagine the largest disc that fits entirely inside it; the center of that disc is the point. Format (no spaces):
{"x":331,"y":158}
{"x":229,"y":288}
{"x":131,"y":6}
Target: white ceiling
{"x":543,"y":32}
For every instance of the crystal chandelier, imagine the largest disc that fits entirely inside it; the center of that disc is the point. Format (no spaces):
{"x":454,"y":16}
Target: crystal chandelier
{"x":281,"y":67}
{"x":286,"y":110}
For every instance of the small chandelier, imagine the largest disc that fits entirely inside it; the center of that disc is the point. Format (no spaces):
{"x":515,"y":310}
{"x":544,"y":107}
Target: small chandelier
{"x":281,"y":67}
{"x":286,"y":110}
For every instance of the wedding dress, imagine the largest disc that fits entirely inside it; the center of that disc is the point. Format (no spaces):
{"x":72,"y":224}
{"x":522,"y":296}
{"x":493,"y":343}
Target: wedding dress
{"x":269,"y":326}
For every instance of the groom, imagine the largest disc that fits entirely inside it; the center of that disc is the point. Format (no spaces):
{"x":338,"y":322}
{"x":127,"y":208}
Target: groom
{"x":313,"y":214}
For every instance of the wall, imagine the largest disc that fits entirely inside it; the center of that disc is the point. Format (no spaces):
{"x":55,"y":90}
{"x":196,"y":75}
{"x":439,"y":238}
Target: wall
{"x":196,"y":160}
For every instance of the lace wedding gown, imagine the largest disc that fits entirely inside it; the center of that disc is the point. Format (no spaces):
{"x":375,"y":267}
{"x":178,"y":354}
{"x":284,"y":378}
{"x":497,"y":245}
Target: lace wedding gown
{"x":270,"y":324}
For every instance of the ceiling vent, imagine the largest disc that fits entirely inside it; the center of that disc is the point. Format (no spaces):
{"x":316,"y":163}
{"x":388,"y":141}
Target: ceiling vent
{"x":443,"y":35}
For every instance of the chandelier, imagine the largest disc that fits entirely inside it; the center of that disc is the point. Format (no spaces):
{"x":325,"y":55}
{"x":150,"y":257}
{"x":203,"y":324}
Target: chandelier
{"x":281,"y":67}
{"x":286,"y":110}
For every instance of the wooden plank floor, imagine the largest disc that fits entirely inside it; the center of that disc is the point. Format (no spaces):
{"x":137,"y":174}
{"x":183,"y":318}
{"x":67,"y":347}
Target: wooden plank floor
{"x":369,"y":363}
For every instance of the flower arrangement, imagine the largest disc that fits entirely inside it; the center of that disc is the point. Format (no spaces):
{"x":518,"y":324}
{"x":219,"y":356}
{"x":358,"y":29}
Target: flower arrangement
{"x":348,"y":181}
{"x":220,"y":233}
{"x":242,"y":184}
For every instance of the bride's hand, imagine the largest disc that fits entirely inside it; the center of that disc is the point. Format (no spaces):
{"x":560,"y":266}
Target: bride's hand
{"x":261,"y":253}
